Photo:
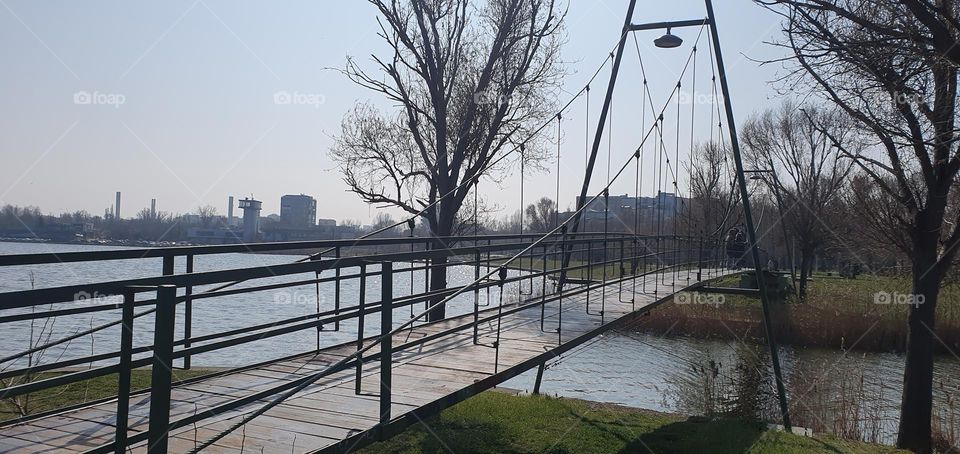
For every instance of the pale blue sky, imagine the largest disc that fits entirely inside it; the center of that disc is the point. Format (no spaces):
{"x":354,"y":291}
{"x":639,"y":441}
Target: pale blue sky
{"x":197,"y":81}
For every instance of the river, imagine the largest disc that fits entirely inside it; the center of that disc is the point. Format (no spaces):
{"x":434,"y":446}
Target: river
{"x":853,"y":394}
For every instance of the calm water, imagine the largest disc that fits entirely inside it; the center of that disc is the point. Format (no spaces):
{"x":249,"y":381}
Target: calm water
{"x":855,"y":393}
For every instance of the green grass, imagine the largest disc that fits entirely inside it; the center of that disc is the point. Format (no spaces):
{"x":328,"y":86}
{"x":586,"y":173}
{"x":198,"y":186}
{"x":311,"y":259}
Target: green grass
{"x":499,"y":423}
{"x":84,"y":391}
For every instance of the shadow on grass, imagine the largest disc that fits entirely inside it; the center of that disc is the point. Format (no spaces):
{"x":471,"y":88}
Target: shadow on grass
{"x":447,"y":437}
{"x":698,"y":434}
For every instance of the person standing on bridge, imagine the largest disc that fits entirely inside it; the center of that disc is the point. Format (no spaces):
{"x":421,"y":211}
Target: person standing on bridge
{"x":736,"y":246}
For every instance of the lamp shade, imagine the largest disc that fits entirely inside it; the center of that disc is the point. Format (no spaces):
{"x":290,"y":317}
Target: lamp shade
{"x":668,"y":41}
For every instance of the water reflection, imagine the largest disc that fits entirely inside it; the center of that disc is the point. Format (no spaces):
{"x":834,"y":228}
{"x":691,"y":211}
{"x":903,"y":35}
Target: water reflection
{"x":850,"y":394}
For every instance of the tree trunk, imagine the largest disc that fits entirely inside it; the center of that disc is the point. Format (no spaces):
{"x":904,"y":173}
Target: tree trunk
{"x":917,"y":403}
{"x":806,"y":264}
{"x":438,"y":270}
{"x":438,"y":281}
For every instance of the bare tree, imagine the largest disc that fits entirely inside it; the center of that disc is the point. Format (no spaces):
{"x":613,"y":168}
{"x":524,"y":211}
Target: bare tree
{"x":471,"y":81}
{"x":541,"y":215}
{"x":792,"y":149}
{"x":382,"y":219}
{"x":714,"y":198}
{"x":207,"y":214}
{"x":892,"y":66}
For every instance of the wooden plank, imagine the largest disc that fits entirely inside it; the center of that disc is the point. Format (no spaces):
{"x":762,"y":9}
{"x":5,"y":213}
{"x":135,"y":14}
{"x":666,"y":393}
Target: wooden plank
{"x":250,"y":438}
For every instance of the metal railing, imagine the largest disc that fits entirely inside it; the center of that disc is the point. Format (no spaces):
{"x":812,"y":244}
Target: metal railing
{"x":620,"y":258}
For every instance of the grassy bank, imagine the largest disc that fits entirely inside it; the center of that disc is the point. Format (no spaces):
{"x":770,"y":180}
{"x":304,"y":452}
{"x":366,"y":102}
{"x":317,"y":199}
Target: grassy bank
{"x":76,"y":393}
{"x":837,"y":313}
{"x":498,"y":422}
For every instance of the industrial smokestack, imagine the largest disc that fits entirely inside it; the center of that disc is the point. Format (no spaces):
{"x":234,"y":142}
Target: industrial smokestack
{"x":153,"y":208}
{"x":230,"y":211}
{"x":116,"y":207}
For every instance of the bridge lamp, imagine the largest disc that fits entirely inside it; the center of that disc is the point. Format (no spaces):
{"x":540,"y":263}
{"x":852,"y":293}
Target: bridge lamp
{"x":668,"y":41}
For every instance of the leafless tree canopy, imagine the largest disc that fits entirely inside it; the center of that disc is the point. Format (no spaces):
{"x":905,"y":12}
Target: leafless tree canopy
{"x":714,"y":197}
{"x":541,"y":216}
{"x":470,"y":80}
{"x":792,"y":147}
{"x":892,"y":66}
{"x":207,"y":214}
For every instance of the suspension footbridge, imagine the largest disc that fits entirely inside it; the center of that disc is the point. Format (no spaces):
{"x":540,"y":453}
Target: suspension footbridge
{"x":532,"y":297}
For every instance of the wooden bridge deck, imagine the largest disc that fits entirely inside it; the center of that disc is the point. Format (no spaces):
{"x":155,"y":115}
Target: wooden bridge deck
{"x":328,"y":415}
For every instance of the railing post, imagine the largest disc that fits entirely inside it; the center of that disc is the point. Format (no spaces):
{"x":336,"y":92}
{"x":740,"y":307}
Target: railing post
{"x":319,"y":325}
{"x":427,"y":247}
{"x":700,"y":260}
{"x":502,"y":275}
{"x":336,"y":290}
{"x":386,"y":340}
{"x":536,"y":384}
{"x":543,"y":288}
{"x":589,"y":270}
{"x":476,"y":300}
{"x":161,"y":375}
{"x":360,"y":327}
{"x":168,"y":262}
{"x":123,"y":383}
{"x":188,"y":314}
{"x":643,"y":273}
{"x":563,"y":272}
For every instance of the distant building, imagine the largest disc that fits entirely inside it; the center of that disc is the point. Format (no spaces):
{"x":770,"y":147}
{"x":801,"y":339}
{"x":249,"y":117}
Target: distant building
{"x":625,"y":211}
{"x":664,"y":201}
{"x":298,"y":211}
{"x":251,"y":219}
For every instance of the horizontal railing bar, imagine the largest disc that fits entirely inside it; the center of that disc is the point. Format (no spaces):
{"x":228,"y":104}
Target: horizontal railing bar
{"x":227,"y":292}
{"x":11,"y":300}
{"x":205,"y":295}
{"x":177,"y":251}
